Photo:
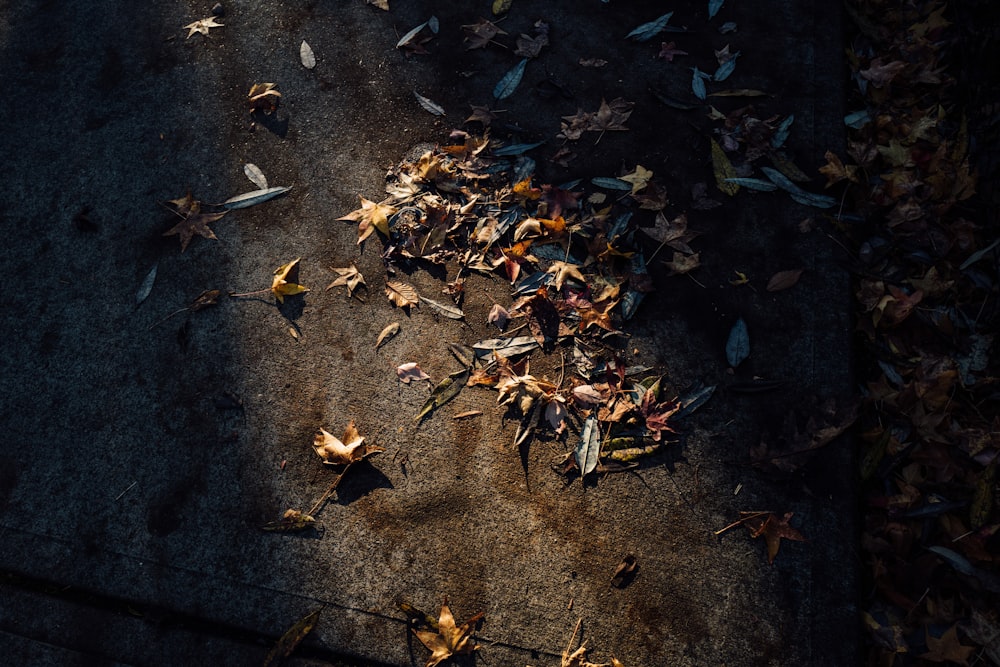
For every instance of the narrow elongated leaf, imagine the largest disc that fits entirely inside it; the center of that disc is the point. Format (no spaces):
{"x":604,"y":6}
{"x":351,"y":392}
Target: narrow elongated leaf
{"x":814,"y":200}
{"x":410,"y":35}
{"x":306,"y":55}
{"x":147,"y":285}
{"x":443,"y":308}
{"x":587,"y":452}
{"x":429,"y":105}
{"x":723,"y":170}
{"x":446,"y":390}
{"x":506,"y":347}
{"x":693,"y":400}
{"x":249,"y":199}
{"x":754,"y":184}
{"x":647,"y":31}
{"x":726,"y":68}
{"x":738,"y":345}
{"x":291,"y":639}
{"x":857,"y":119}
{"x":611,"y":183}
{"x":781,"y":134}
{"x":508,"y":84}
{"x":255,"y":175}
{"x":713,"y":7}
{"x":516,"y":149}
{"x":978,"y":255}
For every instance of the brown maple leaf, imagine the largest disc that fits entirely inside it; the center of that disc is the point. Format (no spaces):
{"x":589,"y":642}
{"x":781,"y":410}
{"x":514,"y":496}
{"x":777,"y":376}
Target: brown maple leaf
{"x":773,"y":529}
{"x":349,"y":277}
{"x":481,"y":114}
{"x":193,"y":221}
{"x":449,"y":639}
{"x":480,"y":33}
{"x":611,"y":117}
{"x":947,"y":648}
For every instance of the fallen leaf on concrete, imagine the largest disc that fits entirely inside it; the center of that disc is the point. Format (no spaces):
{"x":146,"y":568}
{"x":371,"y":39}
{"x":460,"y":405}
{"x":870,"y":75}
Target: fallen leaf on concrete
{"x":411,"y":372}
{"x":350,"y":277}
{"x":449,"y":639}
{"x":649,"y":30}
{"x":774,"y":530}
{"x":381,"y":4}
{"x":738,"y":344}
{"x":306,"y":55}
{"x":446,"y":390}
{"x":255,"y":175}
{"x":481,"y":33}
{"x":444,"y":309}
{"x":345,"y":450}
{"x":403,"y":295}
{"x":668,"y":50}
{"x":508,"y":83}
{"x":499,"y":316}
{"x":467,"y":413}
{"x":291,"y":639}
{"x":501,"y":6}
{"x":202,"y":26}
{"x":248,"y":199}
{"x":147,"y":285}
{"x":723,"y":170}
{"x":285,"y":282}
{"x":784,"y":279}
{"x":625,"y":572}
{"x":588,"y":449}
{"x":370,"y":216}
{"x":429,"y":105}
{"x":193,"y":221}
{"x":292,"y":521}
{"x":388,"y":332}
{"x":264,"y":97}
{"x":578,"y":657}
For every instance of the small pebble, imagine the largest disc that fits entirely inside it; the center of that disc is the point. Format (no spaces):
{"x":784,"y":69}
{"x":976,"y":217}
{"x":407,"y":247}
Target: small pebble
{"x":218,"y":10}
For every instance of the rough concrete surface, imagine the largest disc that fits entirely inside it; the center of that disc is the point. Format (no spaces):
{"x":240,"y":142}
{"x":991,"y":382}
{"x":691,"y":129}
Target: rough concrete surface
{"x":131,"y":505}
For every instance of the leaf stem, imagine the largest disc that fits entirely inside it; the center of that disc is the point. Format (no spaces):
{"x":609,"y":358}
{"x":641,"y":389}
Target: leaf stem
{"x":256,"y":293}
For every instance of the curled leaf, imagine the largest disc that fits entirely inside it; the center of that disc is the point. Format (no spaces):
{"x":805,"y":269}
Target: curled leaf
{"x":411,"y":372}
{"x":388,"y":332}
{"x":348,"y":449}
{"x":285,"y":282}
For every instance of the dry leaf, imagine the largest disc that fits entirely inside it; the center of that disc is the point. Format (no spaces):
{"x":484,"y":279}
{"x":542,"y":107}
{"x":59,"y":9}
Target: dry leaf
{"x":292,"y":638}
{"x":263,"y":97}
{"x":682,"y":263}
{"x":306,"y":55}
{"x":499,"y":316}
{"x":193,"y":221}
{"x":783,"y":280}
{"x":348,"y":276}
{"x":202,"y":26}
{"x":411,"y":372}
{"x":449,"y":639}
{"x":388,"y":332}
{"x":723,"y":170}
{"x":370,"y":216}
{"x":381,"y":4}
{"x":255,"y":175}
{"x":285,"y":282}
{"x":402,"y":294}
{"x":639,"y":178}
{"x":292,"y":521}
{"x":334,"y":451}
{"x":564,"y":270}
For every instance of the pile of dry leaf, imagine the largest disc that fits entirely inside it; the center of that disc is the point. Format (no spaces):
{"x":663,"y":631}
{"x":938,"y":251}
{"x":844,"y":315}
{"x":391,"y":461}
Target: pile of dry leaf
{"x":926,"y":288}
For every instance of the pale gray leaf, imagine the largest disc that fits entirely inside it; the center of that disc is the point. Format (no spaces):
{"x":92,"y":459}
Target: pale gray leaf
{"x":587,"y":452}
{"x":405,"y":39}
{"x":249,"y":199}
{"x":255,"y":175}
{"x":147,"y":285}
{"x":306,"y":55}
{"x":443,"y":308}
{"x":429,"y":105}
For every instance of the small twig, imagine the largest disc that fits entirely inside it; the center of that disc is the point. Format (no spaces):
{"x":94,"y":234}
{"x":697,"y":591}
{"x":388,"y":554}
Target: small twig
{"x":750,"y":517}
{"x":329,"y":492}
{"x":256,"y":293}
{"x":127,"y":489}
{"x":161,"y":321}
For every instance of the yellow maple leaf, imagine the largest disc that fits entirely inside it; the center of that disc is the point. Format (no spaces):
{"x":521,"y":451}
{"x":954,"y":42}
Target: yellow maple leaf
{"x":450,"y":639}
{"x":285,"y":281}
{"x":370,"y":216}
